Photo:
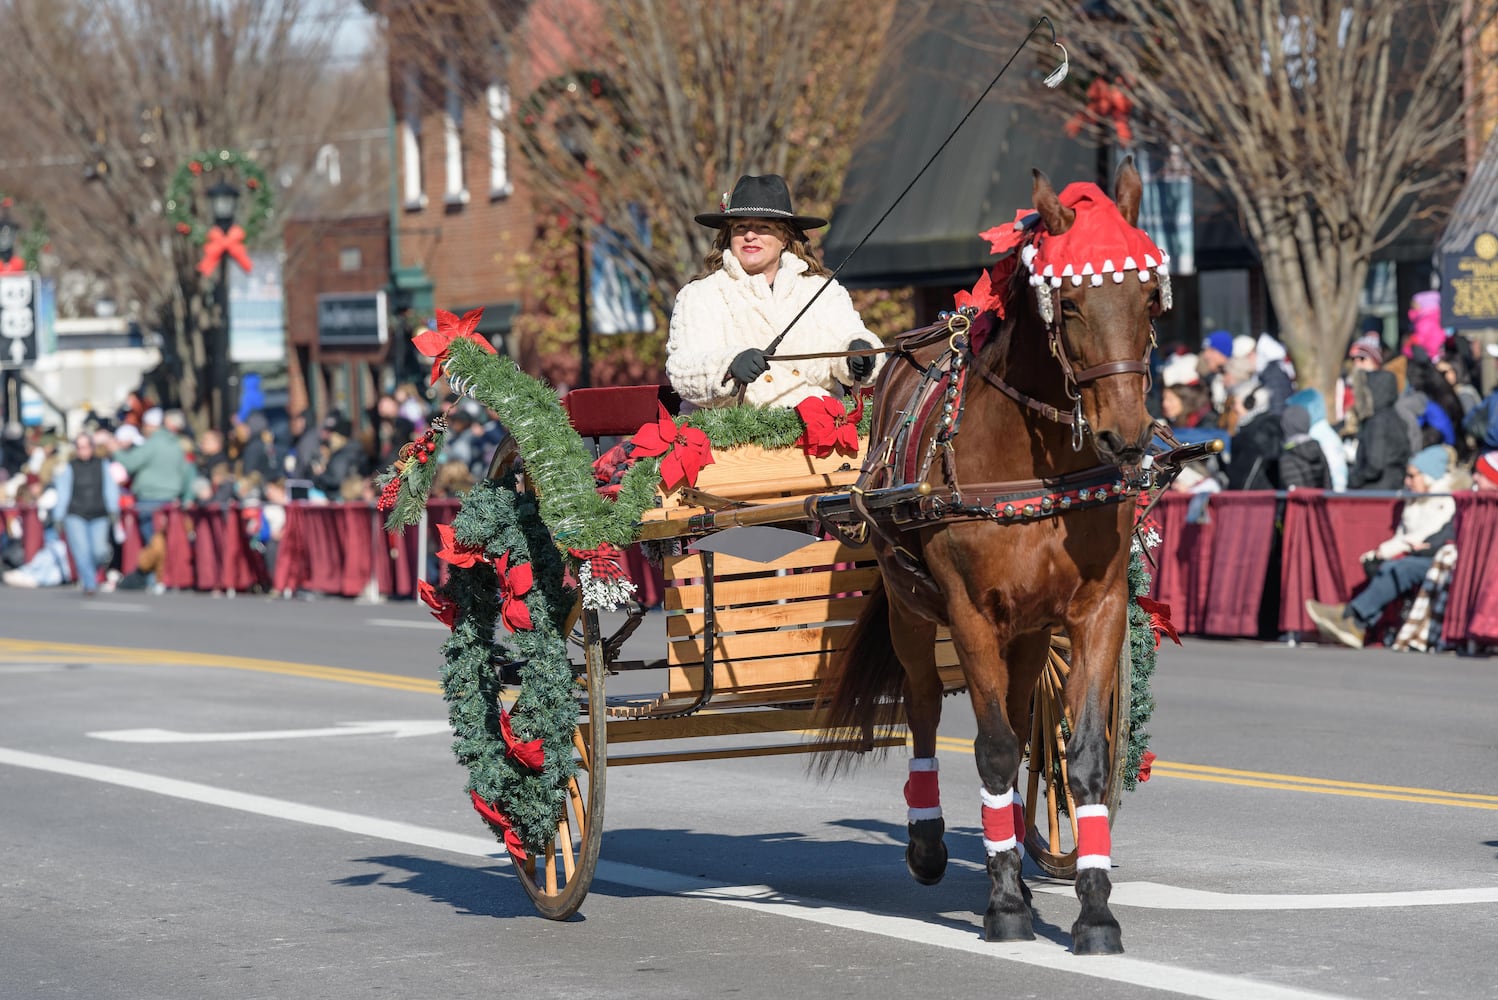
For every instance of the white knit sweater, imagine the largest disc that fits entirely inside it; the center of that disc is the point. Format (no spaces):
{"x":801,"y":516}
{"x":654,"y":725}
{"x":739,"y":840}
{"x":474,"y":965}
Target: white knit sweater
{"x":730,"y":310}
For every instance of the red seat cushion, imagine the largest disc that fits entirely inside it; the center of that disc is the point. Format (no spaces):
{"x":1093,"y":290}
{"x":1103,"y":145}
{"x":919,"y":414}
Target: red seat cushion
{"x":617,"y":411}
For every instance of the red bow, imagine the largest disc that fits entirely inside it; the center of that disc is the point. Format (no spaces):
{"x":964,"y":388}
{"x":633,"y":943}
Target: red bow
{"x":829,"y":426}
{"x":603,"y":562}
{"x":13,"y":265}
{"x":1144,"y":766}
{"x":434,"y":343}
{"x":443,"y":610}
{"x":513,"y":585}
{"x":459,"y":554}
{"x":499,"y":819}
{"x":527,"y":752}
{"x":1159,"y":619}
{"x":220,"y":243}
{"x":687,"y":450}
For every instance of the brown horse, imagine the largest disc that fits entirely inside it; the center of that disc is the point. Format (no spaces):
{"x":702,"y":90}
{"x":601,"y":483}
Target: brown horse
{"x":1011,"y":549}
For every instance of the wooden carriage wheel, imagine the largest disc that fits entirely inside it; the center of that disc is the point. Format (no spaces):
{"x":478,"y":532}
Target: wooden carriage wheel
{"x":557,"y":880}
{"x":1050,"y":813}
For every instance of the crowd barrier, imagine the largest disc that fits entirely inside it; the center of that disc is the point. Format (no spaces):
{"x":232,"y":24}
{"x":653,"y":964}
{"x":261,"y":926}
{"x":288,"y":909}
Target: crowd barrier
{"x":1241,"y":566}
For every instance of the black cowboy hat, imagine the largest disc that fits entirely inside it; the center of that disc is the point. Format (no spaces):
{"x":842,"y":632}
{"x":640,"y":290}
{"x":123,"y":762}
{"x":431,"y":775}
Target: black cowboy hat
{"x":759,"y":198}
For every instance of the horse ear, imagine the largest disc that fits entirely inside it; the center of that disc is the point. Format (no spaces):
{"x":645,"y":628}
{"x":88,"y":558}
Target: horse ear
{"x":1127,"y":189}
{"x":1057,"y":218}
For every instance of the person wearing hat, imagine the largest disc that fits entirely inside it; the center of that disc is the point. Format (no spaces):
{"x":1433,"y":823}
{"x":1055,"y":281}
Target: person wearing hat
{"x":1383,"y":443}
{"x":1398,"y":564}
{"x":1485,"y":472}
{"x":759,"y":276}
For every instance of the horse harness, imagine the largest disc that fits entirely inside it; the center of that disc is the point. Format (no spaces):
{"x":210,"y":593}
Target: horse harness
{"x":897,"y":463}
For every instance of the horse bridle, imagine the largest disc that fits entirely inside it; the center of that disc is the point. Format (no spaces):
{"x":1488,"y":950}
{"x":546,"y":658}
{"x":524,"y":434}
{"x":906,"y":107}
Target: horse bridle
{"x":1075,"y":378}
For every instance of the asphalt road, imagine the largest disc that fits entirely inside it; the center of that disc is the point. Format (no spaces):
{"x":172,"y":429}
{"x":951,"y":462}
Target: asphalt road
{"x":1321,"y":822}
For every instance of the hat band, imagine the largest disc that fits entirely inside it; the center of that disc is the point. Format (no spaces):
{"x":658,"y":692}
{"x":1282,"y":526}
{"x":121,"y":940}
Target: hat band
{"x":756,"y":210}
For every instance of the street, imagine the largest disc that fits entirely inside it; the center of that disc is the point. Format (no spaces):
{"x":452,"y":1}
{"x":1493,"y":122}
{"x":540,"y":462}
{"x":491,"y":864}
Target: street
{"x":210,"y":797}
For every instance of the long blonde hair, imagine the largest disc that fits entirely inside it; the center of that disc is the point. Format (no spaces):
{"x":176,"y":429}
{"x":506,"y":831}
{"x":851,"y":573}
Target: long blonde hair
{"x":794,"y":237}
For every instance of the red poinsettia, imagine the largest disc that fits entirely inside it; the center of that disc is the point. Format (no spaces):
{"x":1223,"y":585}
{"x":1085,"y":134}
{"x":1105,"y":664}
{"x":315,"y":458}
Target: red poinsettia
{"x":527,"y":752}
{"x":444,"y":610}
{"x":459,"y":554}
{"x":687,"y":450}
{"x":829,"y":426}
{"x":1144,"y":766}
{"x":1007,"y":235}
{"x":1159,"y":619}
{"x":514,"y":584}
{"x":434,"y":343}
{"x":499,"y":819}
{"x":983,"y":297}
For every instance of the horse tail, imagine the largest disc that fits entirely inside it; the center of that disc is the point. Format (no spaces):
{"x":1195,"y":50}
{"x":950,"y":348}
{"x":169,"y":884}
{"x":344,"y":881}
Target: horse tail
{"x":860,"y":690}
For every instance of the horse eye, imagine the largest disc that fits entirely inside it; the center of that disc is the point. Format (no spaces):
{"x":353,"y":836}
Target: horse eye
{"x":1070,"y":308}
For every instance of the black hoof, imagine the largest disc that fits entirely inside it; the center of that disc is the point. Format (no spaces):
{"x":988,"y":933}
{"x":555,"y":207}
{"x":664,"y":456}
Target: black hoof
{"x":1008,"y":926}
{"x":1096,"y":939}
{"x":926,"y":854}
{"x":928,"y":866}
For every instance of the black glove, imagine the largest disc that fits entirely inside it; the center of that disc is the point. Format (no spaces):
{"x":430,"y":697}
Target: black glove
{"x":748,"y":366}
{"x":861,"y":366}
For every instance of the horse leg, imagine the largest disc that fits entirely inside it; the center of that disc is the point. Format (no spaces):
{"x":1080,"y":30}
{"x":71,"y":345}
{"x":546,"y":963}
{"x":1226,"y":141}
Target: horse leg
{"x":997,"y":752}
{"x":914,"y":641}
{"x":1027,"y":658}
{"x":1095,"y":644}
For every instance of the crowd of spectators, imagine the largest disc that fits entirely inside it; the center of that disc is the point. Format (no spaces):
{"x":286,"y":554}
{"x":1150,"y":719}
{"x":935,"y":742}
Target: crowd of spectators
{"x":147,"y":458}
{"x":1412,"y":418}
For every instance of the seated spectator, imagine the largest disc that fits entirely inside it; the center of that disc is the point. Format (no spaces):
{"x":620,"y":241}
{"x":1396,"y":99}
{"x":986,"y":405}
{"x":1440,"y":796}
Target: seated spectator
{"x":1383,"y":443}
{"x":1481,"y":423}
{"x":1325,"y":435}
{"x":345,"y":459}
{"x":1365,"y":355}
{"x":1398,"y":564}
{"x":1302,"y":461}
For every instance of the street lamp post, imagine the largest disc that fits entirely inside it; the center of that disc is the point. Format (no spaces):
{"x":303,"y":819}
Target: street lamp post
{"x":574,"y":143}
{"x":223,"y":199}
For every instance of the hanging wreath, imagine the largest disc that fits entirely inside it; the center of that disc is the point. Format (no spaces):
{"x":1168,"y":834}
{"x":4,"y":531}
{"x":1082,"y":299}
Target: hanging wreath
{"x":182,"y":193}
{"x":30,"y":242}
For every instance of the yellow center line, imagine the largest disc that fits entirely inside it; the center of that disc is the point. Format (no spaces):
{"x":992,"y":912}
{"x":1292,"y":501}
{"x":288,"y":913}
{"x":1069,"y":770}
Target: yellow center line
{"x":35,"y":651}
{"x":1290,"y":782}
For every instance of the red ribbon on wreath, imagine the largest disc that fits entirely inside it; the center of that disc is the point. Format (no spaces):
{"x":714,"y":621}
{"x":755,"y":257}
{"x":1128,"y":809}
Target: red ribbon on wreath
{"x":1159,"y":619}
{"x":527,"y":752}
{"x":829,"y":426}
{"x":513,"y":585}
{"x":687,"y":450}
{"x":604,"y":562}
{"x":435,"y":343}
{"x":456,"y":553}
{"x":220,"y":243}
{"x":1144,"y":766}
{"x":499,"y":819}
{"x":444,"y":610}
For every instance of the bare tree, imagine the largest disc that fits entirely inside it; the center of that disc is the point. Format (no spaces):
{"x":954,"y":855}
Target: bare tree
{"x":659,"y":105}
{"x":129,"y":90}
{"x":1330,"y":126}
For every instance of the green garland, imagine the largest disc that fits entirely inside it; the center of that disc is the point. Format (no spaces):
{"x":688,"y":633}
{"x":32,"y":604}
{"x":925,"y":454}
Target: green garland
{"x":1142,"y":648}
{"x":181,"y":193}
{"x":502,"y":522}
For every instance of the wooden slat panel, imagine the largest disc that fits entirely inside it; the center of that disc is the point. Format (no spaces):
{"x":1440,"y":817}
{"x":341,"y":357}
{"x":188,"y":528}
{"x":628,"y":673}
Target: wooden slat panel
{"x":764,"y":590}
{"x":753,"y":464}
{"x":749,"y":645}
{"x":823,"y":553}
{"x":772,"y":671}
{"x":809,"y":612}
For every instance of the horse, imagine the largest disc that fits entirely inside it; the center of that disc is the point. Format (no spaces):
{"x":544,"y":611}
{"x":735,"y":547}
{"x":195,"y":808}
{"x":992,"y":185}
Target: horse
{"x":1052,"y":398}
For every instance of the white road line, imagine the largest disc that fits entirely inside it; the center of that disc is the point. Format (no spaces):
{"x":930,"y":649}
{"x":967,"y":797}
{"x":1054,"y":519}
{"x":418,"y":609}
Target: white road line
{"x":403,"y":623}
{"x":399,"y":728}
{"x":116,"y":606}
{"x":761,"y":899}
{"x":1155,"y":896}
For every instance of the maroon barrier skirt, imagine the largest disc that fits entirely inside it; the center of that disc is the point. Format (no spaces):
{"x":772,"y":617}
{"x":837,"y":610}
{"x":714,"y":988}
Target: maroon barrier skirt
{"x":1324,"y":535}
{"x":1212,"y":574}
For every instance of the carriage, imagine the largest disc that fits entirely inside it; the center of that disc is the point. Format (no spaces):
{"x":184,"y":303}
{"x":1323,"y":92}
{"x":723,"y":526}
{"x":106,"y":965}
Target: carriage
{"x":779,"y":563}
